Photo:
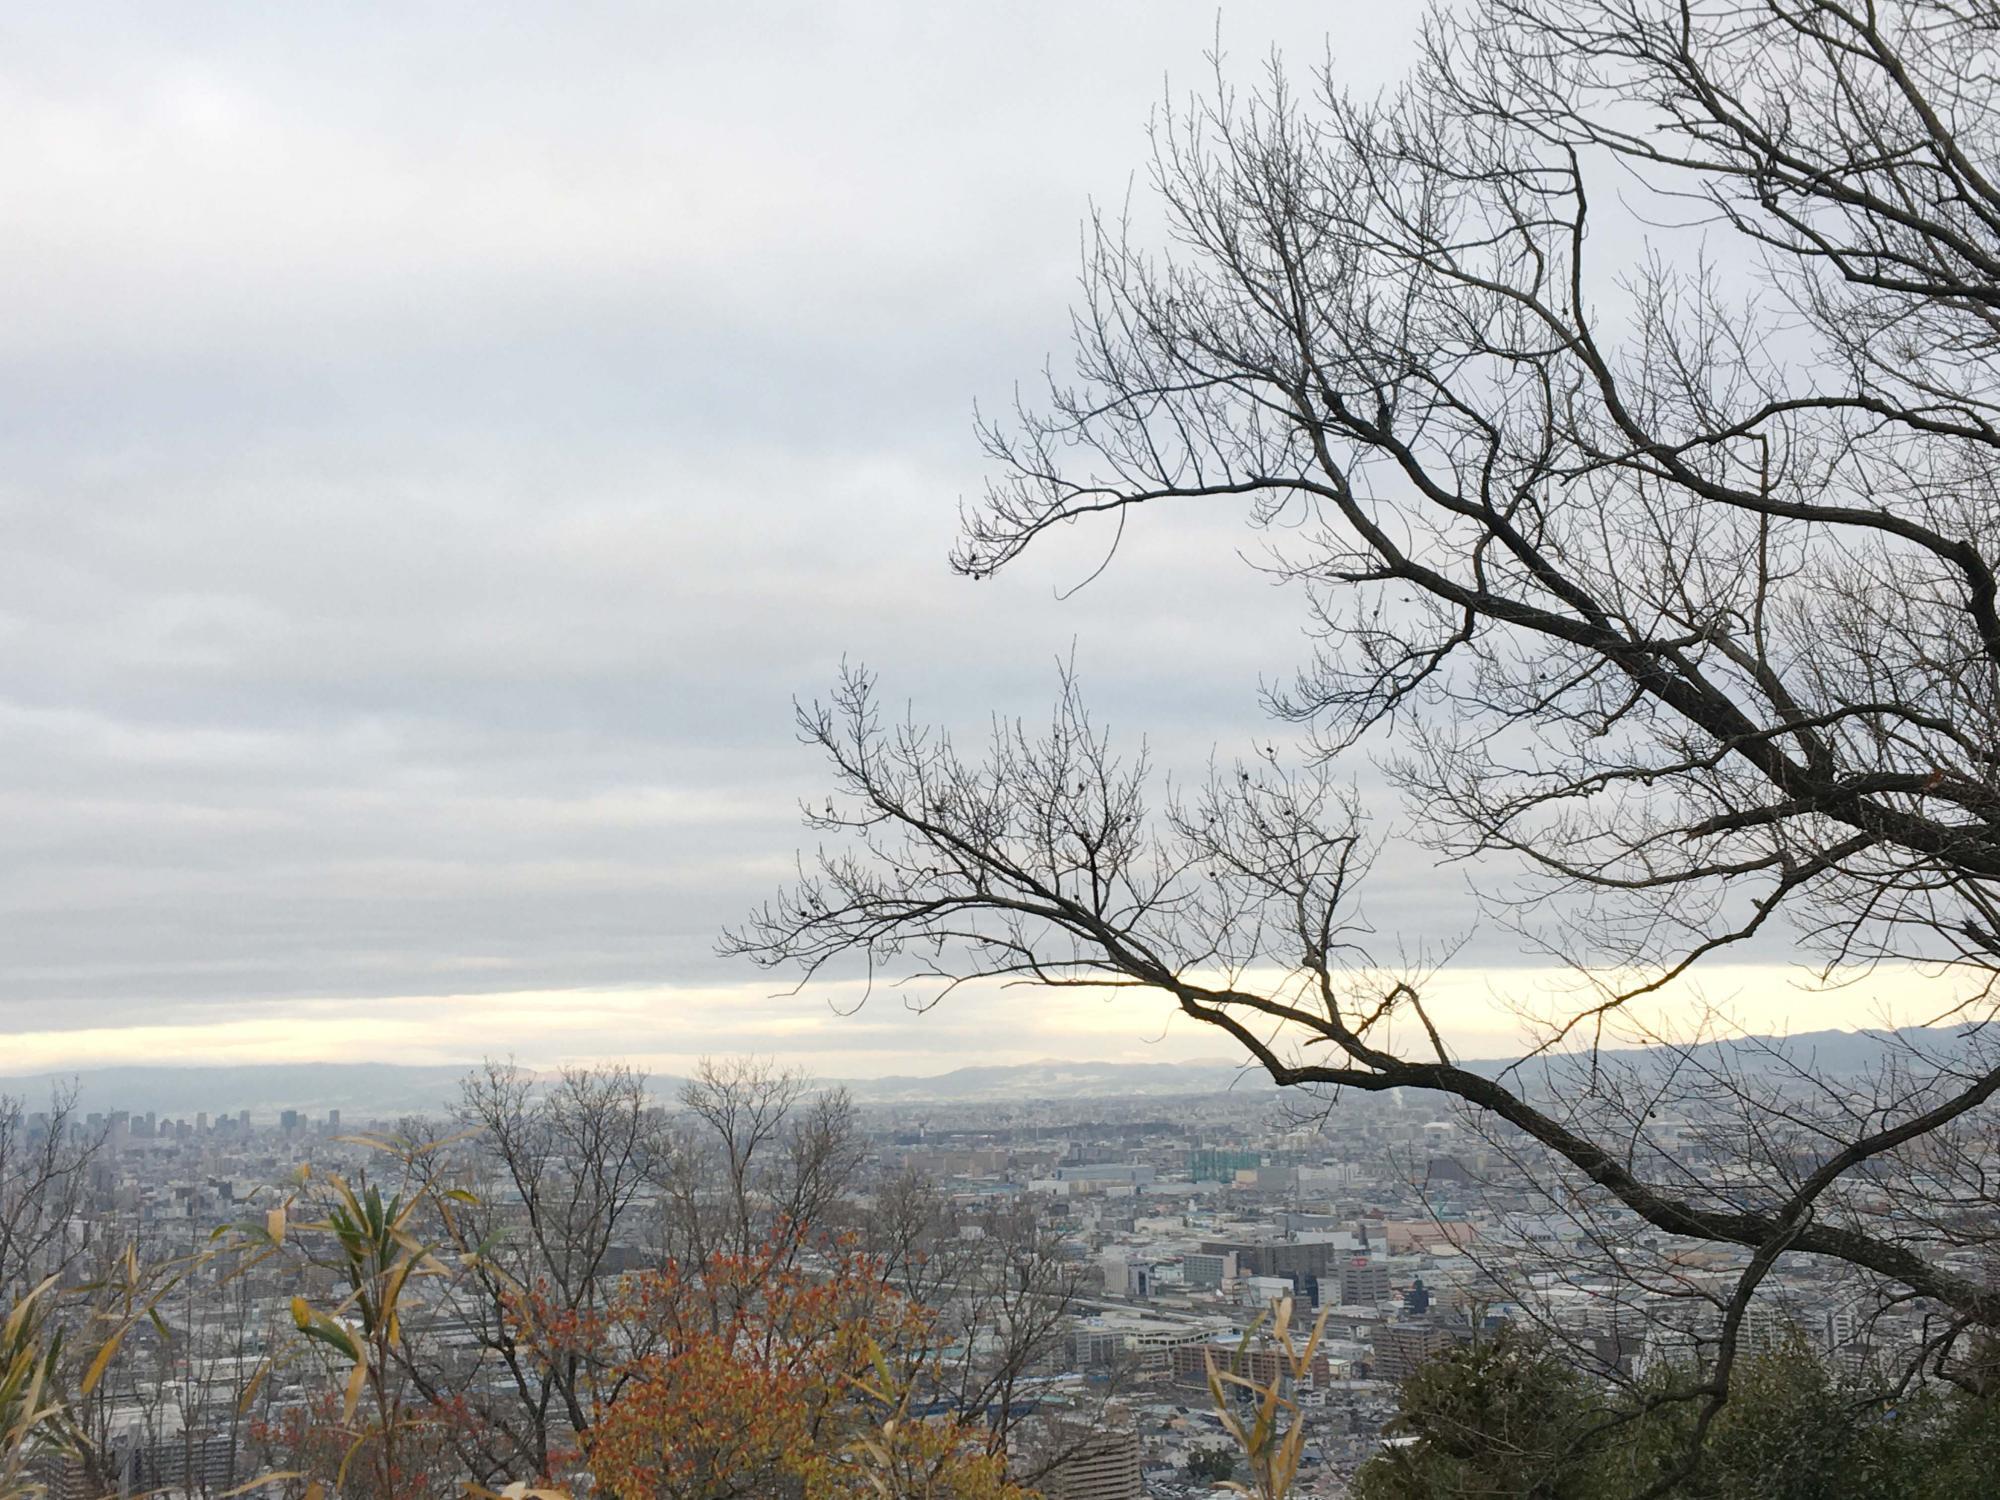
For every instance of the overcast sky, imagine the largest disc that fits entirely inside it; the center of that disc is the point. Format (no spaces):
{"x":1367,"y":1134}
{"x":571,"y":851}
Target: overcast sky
{"x":440,"y":442}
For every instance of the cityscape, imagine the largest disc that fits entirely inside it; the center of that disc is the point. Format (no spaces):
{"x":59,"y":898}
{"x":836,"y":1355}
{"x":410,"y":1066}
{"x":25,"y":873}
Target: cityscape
{"x":867,"y":750}
{"x":1152,"y":1236}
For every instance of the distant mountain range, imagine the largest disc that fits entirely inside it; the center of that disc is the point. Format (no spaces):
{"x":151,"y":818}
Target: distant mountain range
{"x":363,"y":1091}
{"x":1054,"y":1078}
{"x":360,"y":1091}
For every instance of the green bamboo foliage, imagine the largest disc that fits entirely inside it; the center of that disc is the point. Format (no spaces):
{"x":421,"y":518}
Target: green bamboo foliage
{"x":376,"y":1252}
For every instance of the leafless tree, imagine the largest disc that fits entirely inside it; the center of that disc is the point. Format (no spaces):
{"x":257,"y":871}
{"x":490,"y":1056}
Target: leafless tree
{"x":559,"y":1169}
{"x":759,"y":1152}
{"x":44,"y":1172}
{"x":573,"y":1180}
{"x":1625,"y":383}
{"x":1004,"y":1294}
{"x":571,"y":1156}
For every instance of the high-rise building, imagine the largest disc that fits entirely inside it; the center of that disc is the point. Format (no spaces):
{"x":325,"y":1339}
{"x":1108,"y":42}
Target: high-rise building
{"x":1095,"y":1348}
{"x":1363,"y":1283}
{"x":1105,"y":1467}
{"x":1303,"y":1257}
{"x":1401,"y":1347}
{"x":332,"y":1121}
{"x":288,"y":1120}
{"x":1209,"y":1269}
{"x":1262,"y":1363}
{"x":181,"y":1463}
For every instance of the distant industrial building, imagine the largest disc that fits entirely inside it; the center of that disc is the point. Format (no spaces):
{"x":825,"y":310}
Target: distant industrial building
{"x":1109,"y":1174}
{"x":1221,"y":1166}
{"x":1300,"y":1257}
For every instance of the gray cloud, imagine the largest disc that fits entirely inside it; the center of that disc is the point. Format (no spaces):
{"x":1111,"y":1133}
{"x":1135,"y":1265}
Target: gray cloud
{"x":438,"y":445}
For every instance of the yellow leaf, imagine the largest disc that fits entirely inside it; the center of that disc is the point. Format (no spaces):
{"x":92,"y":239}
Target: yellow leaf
{"x":250,"y":1390}
{"x":257,"y":1484}
{"x":274,"y":1224}
{"x":103,"y":1361}
{"x":340,"y":1474}
{"x":353,"y":1395}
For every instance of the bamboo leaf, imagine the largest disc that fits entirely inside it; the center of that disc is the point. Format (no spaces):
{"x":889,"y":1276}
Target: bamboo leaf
{"x":340,"y":1474}
{"x":251,"y":1388}
{"x":259,"y":1483}
{"x":103,"y":1360}
{"x":352,"y":1397}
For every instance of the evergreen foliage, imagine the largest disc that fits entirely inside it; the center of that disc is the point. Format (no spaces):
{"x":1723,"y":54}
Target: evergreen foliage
{"x":1509,"y":1417}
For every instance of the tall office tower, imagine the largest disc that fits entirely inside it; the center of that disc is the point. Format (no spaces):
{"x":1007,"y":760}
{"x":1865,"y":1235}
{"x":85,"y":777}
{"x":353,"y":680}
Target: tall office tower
{"x":1364,"y":1282}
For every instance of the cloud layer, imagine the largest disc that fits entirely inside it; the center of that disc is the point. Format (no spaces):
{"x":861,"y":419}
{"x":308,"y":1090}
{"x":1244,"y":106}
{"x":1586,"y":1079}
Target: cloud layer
{"x":439,"y":444}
